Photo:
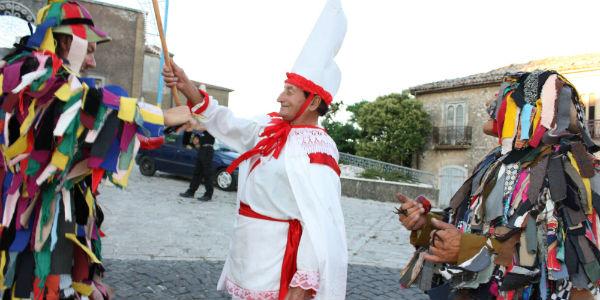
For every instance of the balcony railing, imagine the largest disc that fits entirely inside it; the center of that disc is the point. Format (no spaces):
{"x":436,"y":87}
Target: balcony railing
{"x":453,"y":137}
{"x":594,"y":127}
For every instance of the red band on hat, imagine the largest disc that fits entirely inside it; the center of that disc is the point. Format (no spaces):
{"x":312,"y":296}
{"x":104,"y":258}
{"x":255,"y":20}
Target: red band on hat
{"x":73,"y":11}
{"x":309,"y":86}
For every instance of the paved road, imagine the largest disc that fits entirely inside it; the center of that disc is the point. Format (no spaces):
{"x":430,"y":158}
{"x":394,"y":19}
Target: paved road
{"x":170,"y":279}
{"x":161,"y":246}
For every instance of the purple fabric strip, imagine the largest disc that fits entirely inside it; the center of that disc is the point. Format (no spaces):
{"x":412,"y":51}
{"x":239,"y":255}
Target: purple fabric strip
{"x":111,"y":100}
{"x":12,"y":76}
{"x":15,"y":184}
{"x":94,"y":162}
{"x":41,"y":156}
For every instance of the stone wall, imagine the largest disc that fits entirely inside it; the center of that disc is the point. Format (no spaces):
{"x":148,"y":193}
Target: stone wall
{"x":433,"y":160}
{"x":384,"y":190}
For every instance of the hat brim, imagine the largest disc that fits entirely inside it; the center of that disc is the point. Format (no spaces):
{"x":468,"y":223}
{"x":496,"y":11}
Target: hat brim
{"x":93,"y":34}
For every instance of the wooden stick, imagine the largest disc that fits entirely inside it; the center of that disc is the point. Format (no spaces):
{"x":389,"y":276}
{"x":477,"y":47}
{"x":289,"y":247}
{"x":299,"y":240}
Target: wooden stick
{"x":163,"y":41}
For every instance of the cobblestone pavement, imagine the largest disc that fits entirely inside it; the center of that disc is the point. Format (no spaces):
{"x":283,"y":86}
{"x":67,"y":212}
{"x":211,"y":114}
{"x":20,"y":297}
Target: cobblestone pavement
{"x":162,"y":246}
{"x":169,"y":279}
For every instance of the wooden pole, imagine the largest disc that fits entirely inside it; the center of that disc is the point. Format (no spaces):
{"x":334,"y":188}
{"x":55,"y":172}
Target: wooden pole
{"x":163,"y":41}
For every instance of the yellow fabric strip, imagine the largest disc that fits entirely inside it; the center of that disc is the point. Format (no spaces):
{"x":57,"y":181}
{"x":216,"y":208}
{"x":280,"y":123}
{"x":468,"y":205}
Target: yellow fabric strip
{"x":151,"y":117}
{"x":87,"y":250}
{"x":508,"y":130}
{"x":538,"y":114}
{"x":29,"y":119}
{"x":2,"y":264}
{"x":18,"y":147}
{"x":82,"y":288}
{"x":48,"y":42}
{"x":64,"y":92}
{"x":586,"y":183}
{"x":59,"y":160}
{"x":127,"y":109}
{"x":89,"y":199}
{"x":1,"y":81}
{"x":80,"y":130}
{"x":41,"y":14}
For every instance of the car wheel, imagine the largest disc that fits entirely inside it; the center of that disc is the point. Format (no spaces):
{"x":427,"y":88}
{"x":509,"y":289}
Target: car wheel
{"x":225,"y":181}
{"x":147,"y":167}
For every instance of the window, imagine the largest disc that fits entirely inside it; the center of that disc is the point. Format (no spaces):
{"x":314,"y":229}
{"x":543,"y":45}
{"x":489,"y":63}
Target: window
{"x":455,"y":115}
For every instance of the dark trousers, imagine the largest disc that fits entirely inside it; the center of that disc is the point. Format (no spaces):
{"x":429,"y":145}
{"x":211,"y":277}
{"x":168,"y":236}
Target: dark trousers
{"x":203,"y":171}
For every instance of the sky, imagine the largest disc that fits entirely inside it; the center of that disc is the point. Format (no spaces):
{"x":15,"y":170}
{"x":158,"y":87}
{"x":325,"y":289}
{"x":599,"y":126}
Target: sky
{"x":390,"y":45}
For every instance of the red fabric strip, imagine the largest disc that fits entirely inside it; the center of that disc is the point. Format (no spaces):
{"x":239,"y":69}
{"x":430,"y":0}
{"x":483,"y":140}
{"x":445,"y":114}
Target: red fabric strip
{"x":288,"y":266}
{"x":325,"y":159}
{"x":72,"y":11}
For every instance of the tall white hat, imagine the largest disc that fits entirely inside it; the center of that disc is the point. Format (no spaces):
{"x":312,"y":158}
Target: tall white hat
{"x":315,"y":70}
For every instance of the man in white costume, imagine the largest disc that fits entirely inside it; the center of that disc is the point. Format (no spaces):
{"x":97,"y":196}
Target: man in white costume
{"x":289,"y":240}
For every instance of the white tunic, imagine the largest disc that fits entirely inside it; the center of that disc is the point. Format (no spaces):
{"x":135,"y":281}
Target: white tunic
{"x":286,"y":188}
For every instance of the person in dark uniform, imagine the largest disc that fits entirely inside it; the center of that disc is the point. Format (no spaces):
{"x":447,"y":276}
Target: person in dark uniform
{"x":203,"y":171}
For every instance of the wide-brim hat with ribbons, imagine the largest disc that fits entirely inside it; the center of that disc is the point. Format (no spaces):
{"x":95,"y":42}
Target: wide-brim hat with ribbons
{"x":315,"y":70}
{"x":77,"y":20}
{"x":65,"y":17}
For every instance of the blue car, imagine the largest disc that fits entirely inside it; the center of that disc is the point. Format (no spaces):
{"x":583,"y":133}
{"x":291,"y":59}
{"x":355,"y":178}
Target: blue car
{"x":175,"y":158}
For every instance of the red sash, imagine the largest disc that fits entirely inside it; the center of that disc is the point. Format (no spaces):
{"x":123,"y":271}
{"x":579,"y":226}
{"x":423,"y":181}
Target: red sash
{"x":288,"y":267}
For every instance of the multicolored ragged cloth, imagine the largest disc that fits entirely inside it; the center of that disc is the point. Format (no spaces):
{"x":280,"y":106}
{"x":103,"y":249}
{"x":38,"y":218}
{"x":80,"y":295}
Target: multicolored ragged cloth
{"x":529,"y":212}
{"x":60,"y":136}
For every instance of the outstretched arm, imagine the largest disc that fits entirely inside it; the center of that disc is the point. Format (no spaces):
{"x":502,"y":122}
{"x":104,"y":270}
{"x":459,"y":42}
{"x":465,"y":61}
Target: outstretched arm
{"x":239,"y":134}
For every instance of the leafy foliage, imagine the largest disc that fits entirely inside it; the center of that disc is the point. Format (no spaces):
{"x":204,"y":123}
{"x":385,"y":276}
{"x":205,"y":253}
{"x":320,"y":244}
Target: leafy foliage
{"x":392,"y":128}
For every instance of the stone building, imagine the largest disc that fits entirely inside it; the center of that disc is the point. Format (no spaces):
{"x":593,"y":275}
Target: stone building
{"x":121,"y":61}
{"x":150,"y":82}
{"x":457,"y":110}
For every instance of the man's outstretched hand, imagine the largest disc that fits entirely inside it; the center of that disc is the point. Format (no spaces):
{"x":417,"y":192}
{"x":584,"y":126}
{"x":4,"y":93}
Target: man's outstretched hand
{"x":445,"y":243}
{"x":177,"y":116}
{"x":411,"y":213}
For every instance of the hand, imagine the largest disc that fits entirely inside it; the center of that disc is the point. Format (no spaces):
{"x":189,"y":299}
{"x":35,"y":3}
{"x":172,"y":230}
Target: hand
{"x":297,"y":293}
{"x":177,"y":115}
{"x":411,"y":213}
{"x":445,"y":243}
{"x":176,"y":77}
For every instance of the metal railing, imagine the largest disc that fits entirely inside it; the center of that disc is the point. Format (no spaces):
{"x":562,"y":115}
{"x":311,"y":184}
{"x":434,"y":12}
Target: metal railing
{"x":594,"y":127}
{"x":367,"y":163}
{"x":452,"y":136}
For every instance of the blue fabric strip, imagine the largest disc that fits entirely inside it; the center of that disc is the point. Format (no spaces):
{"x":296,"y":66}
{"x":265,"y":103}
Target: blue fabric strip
{"x":37,"y":37}
{"x":526,"y":121}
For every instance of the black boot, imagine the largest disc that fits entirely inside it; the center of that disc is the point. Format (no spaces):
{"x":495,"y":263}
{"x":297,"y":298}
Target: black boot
{"x":205,"y":198}
{"x":187,"y":194}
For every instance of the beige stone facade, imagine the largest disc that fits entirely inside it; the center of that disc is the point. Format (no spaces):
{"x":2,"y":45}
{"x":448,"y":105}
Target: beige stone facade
{"x":457,"y":110}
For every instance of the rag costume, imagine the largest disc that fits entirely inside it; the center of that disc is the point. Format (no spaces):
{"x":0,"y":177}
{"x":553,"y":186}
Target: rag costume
{"x":290,"y":229}
{"x":529,"y":211}
{"x":59,"y":137}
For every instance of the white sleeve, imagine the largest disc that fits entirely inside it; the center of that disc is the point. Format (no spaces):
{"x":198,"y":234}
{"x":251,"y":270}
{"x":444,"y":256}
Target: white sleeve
{"x":237,"y":133}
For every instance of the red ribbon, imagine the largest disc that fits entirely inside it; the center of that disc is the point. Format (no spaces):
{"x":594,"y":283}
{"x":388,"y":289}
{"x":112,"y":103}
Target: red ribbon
{"x":288,"y":266}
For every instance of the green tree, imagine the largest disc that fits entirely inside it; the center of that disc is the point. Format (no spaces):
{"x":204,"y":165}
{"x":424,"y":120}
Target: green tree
{"x":346,"y":134}
{"x":393,"y":128}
